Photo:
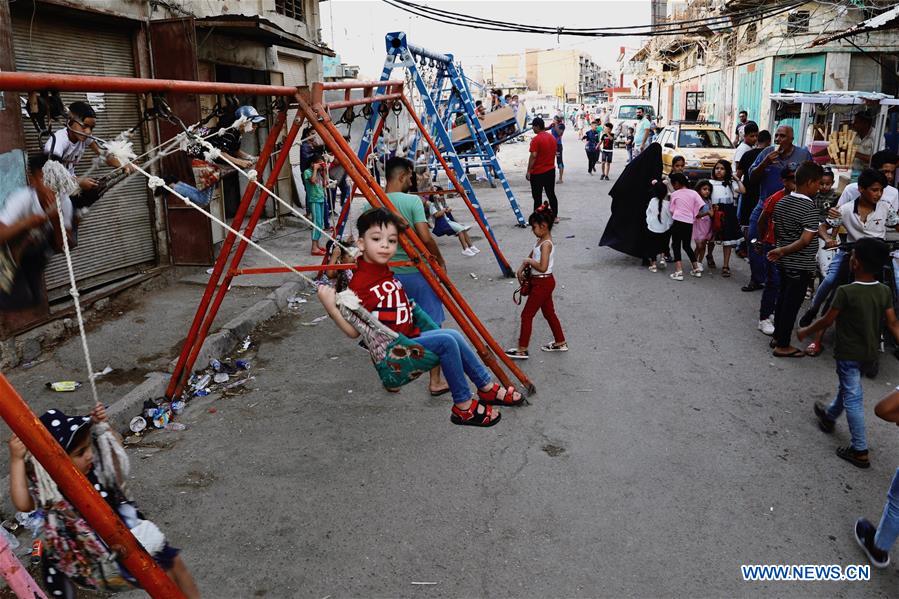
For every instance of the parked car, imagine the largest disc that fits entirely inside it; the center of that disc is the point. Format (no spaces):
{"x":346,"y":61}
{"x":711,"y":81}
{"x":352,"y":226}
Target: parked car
{"x":624,"y":115}
{"x":701,"y":143}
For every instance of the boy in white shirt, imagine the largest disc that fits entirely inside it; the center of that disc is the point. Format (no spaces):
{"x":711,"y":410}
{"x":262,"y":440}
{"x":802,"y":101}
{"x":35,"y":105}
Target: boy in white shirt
{"x":29,"y":233}
{"x":885,"y":162}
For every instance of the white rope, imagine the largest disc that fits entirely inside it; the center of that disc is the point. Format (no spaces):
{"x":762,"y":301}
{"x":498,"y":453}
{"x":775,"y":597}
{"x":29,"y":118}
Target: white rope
{"x":155,"y":182}
{"x":114,"y":466}
{"x":51,"y":173}
{"x":252,"y":176}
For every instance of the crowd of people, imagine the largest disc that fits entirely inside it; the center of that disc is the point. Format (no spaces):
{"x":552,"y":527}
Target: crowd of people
{"x":774,"y":206}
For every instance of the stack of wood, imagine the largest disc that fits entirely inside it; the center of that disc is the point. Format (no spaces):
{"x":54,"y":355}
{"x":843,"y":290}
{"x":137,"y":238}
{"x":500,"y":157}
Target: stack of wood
{"x":841,"y":146}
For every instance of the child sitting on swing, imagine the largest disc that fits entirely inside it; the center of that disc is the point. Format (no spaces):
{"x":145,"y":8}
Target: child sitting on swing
{"x":444,"y":223}
{"x":382,"y":294}
{"x":74,"y":554}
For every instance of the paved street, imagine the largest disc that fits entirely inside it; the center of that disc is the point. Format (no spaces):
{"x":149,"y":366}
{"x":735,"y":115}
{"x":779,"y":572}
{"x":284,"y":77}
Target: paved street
{"x":661,"y":453}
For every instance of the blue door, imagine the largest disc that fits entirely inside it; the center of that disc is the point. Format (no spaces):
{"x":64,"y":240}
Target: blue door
{"x":750,"y":86}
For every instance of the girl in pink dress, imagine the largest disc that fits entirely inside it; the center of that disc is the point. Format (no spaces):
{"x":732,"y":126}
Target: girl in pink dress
{"x":702,"y":228}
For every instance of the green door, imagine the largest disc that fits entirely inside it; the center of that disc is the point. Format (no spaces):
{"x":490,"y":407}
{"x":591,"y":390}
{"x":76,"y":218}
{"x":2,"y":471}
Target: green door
{"x":799,"y":73}
{"x":750,"y":86}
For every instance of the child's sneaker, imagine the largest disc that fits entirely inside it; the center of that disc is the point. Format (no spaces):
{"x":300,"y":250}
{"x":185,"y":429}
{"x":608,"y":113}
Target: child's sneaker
{"x":474,"y":249}
{"x":517,"y":354}
{"x":864,"y":536}
{"x":766,"y":327}
{"x":696,"y":272}
{"x":857,"y":458}
{"x":467,"y":252}
{"x":677,"y":276}
{"x":825,"y":422}
{"x":653,"y":268}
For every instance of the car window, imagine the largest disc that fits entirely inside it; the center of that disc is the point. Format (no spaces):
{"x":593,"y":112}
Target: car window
{"x":703,"y":138}
{"x":667,"y":137}
{"x":630,"y":111}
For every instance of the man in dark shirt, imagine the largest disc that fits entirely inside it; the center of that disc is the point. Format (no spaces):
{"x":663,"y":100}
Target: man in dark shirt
{"x":228,"y":141}
{"x":796,"y":225}
{"x":748,"y":202}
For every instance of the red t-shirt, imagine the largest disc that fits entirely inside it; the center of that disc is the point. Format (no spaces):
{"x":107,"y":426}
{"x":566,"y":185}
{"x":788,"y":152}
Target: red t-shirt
{"x":768,"y":213}
{"x":383,"y":296}
{"x":544,"y":144}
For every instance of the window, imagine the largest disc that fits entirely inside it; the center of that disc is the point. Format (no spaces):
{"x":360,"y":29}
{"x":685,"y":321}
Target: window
{"x":798,"y":22}
{"x":752,"y":33}
{"x":702,"y":138}
{"x":292,"y":9}
{"x":630,"y":112}
{"x":693,"y":105}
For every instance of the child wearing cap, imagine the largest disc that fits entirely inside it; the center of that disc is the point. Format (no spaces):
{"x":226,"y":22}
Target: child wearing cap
{"x":74,"y":554}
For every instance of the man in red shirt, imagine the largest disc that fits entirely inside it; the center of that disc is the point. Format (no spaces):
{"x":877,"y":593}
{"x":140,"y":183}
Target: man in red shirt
{"x":542,"y":167}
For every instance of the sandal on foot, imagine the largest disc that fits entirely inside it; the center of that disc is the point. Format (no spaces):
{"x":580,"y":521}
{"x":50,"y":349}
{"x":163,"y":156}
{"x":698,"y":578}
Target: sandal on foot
{"x":696,"y":273}
{"x":857,"y":458}
{"x":517,"y":354}
{"x":477,"y":414}
{"x":491,"y":397}
{"x":439,"y":393}
{"x":814,"y":349}
{"x":725,"y":272}
{"x":555,"y":346}
{"x":653,"y":268}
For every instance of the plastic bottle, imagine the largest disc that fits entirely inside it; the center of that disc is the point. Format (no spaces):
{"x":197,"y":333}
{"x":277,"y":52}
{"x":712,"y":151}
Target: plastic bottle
{"x":216,"y":365}
{"x":175,"y":426}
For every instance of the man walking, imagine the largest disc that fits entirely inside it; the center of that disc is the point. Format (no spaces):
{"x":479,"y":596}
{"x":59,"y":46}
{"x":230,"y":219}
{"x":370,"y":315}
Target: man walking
{"x":642,"y":132}
{"x":541,"y":168}
{"x":558,"y":131}
{"x":743,"y":120}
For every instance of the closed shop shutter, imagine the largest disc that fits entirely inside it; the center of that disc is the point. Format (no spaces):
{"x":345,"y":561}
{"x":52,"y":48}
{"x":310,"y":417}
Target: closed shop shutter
{"x":117,"y":235}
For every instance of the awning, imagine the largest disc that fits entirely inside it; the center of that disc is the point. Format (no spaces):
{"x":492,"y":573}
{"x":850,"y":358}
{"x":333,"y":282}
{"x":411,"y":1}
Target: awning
{"x":885,"y":20}
{"x":261,"y":30}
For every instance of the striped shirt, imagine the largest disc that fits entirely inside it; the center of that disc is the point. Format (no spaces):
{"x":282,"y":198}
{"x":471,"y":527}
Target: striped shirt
{"x":794,"y":215}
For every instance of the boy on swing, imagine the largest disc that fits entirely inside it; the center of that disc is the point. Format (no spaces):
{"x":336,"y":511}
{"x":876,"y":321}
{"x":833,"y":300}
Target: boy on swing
{"x":382,"y":294}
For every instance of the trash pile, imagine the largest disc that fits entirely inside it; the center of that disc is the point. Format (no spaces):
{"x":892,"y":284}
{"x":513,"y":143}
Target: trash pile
{"x":221,"y":376}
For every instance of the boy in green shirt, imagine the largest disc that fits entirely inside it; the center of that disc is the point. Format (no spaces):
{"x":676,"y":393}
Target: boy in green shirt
{"x":316,"y":177}
{"x":857,"y":310}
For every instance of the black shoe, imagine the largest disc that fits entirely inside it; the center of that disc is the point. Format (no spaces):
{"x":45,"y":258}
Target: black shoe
{"x":752,"y":286}
{"x":808,"y":318}
{"x":825,"y":422}
{"x":669,"y":259}
{"x":864,"y":536}
{"x":871,"y":369}
{"x":859,"y":459}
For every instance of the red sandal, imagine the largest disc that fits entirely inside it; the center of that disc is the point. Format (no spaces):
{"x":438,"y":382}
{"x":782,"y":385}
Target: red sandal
{"x":474,"y":417}
{"x":490,"y":397}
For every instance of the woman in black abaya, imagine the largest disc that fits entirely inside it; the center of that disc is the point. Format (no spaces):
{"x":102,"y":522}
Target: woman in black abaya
{"x":626,"y":230}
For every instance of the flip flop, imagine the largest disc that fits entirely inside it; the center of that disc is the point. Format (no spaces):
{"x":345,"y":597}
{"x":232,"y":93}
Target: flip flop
{"x":796,"y":353}
{"x":439,"y":393}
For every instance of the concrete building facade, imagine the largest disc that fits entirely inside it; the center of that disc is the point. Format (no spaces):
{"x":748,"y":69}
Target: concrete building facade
{"x":131,"y":232}
{"x":568,"y":74}
{"x":717,"y":74}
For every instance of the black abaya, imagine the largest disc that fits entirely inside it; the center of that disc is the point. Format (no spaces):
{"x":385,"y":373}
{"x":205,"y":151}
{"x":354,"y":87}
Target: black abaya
{"x":626,"y":230}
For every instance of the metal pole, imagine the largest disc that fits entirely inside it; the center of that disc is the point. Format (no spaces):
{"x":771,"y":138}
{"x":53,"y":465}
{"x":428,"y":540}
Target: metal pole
{"x":454,"y":302}
{"x":218,"y":269}
{"x":76,"y":488}
{"x":488,"y":234}
{"x":241,"y":247}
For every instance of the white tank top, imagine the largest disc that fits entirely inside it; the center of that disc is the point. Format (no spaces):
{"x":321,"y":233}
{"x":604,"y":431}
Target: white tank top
{"x":537,"y":255}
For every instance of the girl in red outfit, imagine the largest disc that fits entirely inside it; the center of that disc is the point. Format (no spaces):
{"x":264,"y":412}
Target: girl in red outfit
{"x":540,"y":263}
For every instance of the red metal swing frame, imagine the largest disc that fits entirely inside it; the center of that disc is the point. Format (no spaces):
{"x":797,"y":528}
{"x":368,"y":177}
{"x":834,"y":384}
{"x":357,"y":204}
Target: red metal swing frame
{"x":312,"y":109}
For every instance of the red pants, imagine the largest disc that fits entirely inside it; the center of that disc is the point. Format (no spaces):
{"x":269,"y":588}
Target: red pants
{"x":541,"y":298}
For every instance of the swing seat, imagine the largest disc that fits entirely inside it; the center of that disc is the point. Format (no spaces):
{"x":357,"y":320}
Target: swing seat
{"x":398,"y":359}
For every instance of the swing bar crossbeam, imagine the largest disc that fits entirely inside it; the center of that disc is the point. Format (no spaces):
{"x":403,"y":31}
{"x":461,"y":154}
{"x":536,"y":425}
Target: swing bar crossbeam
{"x":314,"y":110}
{"x":276,"y":270}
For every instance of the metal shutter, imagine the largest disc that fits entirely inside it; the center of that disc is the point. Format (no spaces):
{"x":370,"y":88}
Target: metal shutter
{"x":117,"y":234}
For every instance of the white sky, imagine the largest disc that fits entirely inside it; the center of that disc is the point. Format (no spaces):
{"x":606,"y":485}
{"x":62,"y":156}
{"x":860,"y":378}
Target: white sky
{"x":359,"y":27}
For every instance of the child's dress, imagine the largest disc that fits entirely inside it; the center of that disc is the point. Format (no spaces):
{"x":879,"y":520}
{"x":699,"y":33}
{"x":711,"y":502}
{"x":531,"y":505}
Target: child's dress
{"x":702,"y":227}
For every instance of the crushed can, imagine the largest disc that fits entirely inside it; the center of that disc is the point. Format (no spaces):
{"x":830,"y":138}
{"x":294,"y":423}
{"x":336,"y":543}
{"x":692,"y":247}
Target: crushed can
{"x":201,"y":392}
{"x":37,"y":551}
{"x":138,"y":424}
{"x":242,"y":364}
